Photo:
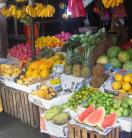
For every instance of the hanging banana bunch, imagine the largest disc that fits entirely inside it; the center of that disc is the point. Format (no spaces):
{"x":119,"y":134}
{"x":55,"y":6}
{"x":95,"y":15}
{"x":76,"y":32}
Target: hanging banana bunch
{"x":111,"y":3}
{"x":13,"y":11}
{"x":40,"y":10}
{"x":21,"y":1}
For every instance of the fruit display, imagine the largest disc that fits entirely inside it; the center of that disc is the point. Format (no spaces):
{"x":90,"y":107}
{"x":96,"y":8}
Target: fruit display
{"x":98,"y":76}
{"x":42,"y":68}
{"x":8,"y":70}
{"x":117,"y":58}
{"x":111,"y":3}
{"x":48,"y":41}
{"x":57,"y":115}
{"x":13,"y":11}
{"x":63,"y":36}
{"x":79,"y":96}
{"x":79,"y":50}
{"x":40,"y":10}
{"x":122,"y":83}
{"x":100,"y":99}
{"x":44,"y":92}
{"x":23,"y":80}
{"x":97,"y":118}
{"x":22,"y":51}
{"x":122,"y":107}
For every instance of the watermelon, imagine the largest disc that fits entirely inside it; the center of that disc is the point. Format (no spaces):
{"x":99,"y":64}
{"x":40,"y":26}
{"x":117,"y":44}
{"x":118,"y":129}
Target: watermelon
{"x":85,"y":113}
{"x":113,"y":51}
{"x":109,"y":120}
{"x":96,"y":117}
{"x":124,"y":56}
{"x":115,"y":63}
{"x":127,"y":65}
{"x":130,"y":52}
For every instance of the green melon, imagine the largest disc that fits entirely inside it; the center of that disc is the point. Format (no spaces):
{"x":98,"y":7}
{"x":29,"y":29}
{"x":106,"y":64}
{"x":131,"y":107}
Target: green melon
{"x":115,"y":63}
{"x":124,"y":56}
{"x":127,"y":65}
{"x":113,"y":51}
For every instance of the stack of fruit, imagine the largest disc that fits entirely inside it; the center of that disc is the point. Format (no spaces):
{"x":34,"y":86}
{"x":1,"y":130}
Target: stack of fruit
{"x":49,"y":41}
{"x":79,"y":51}
{"x":57,"y":115}
{"x":122,"y":83}
{"x":7,"y":70}
{"x":42,"y":68}
{"x":111,"y":3}
{"x":45,"y":92}
{"x":96,"y":117}
{"x":22,"y":51}
{"x":13,"y":11}
{"x":120,"y":107}
{"x":117,"y":57}
{"x":23,"y":80}
{"x":79,"y":97}
{"x":40,"y":10}
{"x":63,"y":36}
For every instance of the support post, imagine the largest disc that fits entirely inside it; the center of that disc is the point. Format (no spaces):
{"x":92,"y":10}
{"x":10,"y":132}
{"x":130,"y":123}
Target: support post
{"x":32,"y":32}
{"x":32,"y":38}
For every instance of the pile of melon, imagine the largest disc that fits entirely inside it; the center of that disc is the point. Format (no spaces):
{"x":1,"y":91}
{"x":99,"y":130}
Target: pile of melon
{"x":96,"y":117}
{"x":117,"y":57}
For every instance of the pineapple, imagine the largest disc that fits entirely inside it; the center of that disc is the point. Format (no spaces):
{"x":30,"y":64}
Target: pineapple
{"x":69,"y":59}
{"x":77,"y":63}
{"x":85,"y":71}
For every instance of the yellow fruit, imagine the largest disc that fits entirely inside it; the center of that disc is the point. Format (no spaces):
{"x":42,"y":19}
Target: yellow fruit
{"x":116,"y":85}
{"x":35,"y":74}
{"x":127,"y":78}
{"x":44,"y":73}
{"x":29,"y":73}
{"x":131,"y":80}
{"x":122,"y":91}
{"x":118,"y":77}
{"x":44,"y":87}
{"x":126,"y":86}
{"x":20,"y":82}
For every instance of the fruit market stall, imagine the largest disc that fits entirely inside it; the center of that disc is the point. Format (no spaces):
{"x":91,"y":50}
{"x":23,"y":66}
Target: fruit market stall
{"x":54,"y":92}
{"x":74,"y":86}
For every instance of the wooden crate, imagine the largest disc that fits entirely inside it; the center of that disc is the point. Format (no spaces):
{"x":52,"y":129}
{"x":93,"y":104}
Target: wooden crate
{"x":77,"y":132}
{"x":16,"y":104}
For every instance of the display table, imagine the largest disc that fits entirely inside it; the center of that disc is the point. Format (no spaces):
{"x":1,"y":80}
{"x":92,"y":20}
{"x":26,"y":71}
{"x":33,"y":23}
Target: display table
{"x":16,"y":104}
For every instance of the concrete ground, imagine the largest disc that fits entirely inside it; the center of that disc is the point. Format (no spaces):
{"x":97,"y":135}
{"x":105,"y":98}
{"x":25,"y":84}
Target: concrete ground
{"x":12,"y":128}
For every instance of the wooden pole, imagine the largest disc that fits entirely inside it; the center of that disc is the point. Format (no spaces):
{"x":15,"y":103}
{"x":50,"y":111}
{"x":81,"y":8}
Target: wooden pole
{"x":32,"y":33}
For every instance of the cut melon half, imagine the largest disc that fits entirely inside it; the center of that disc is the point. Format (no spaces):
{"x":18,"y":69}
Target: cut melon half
{"x":96,"y":117}
{"x":80,"y":118}
{"x":109,"y":120}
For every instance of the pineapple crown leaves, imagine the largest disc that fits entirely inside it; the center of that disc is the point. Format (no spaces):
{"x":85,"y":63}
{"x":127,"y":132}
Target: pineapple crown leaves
{"x":87,"y":55}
